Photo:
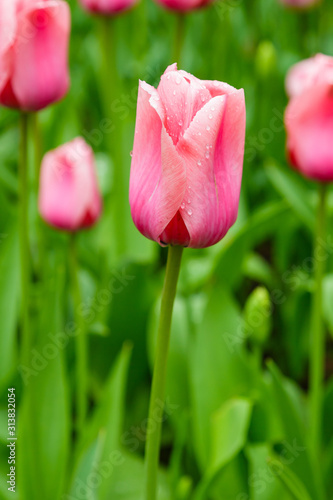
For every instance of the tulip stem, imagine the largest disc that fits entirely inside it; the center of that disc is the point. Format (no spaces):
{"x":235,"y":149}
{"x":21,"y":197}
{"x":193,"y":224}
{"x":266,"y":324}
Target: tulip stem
{"x":156,"y":404}
{"x":24,"y":238}
{"x":179,"y":37}
{"x":111,"y":92}
{"x":317,"y":346}
{"x":81,"y":341}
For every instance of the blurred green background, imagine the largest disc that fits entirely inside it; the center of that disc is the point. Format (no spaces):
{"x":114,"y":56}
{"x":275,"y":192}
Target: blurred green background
{"x":236,"y":421}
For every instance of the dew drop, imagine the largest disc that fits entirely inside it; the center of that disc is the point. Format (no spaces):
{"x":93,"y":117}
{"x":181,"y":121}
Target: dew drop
{"x":178,"y":80}
{"x":180,"y":123}
{"x":168,"y":117}
{"x":188,"y":200}
{"x":212,"y":108}
{"x":208,"y":127}
{"x":168,"y":77}
{"x":210,"y":116}
{"x":199,"y":133}
{"x":189,"y":212}
{"x":182,"y":206}
{"x":207,"y":146}
{"x":199,"y":163}
{"x":207,"y":155}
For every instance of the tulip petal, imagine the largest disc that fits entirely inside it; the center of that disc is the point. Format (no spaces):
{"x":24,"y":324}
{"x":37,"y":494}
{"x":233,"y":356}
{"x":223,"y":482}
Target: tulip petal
{"x":158,"y":179}
{"x":68,"y":196}
{"x":7,"y":37}
{"x":212,"y":149}
{"x":40,"y":74}
{"x":182,"y":98}
{"x":309,"y":124}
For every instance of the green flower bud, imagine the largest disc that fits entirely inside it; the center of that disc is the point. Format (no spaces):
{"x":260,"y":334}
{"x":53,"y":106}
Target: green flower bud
{"x":258,"y":316}
{"x":265,"y":60}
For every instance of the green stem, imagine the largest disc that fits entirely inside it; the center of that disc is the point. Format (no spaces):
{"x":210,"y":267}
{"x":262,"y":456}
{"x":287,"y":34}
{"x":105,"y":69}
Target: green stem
{"x":36,"y":137}
{"x":24,"y":239}
{"x":159,"y":374}
{"x":179,"y":38}
{"x":317,"y":348}
{"x":110,"y":93}
{"x":81,"y":341}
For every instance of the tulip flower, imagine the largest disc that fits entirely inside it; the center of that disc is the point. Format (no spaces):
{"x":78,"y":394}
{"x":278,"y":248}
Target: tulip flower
{"x":309,"y":117}
{"x":184,"y":5}
{"x":34,"y":37}
{"x":107,"y":7}
{"x":309,"y":125}
{"x":184,"y":190}
{"x":187,"y":159}
{"x":69,"y":198}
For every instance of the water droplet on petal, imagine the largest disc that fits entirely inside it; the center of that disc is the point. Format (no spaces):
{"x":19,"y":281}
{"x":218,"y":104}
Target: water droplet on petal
{"x":207,"y":155}
{"x":168,"y":77}
{"x":212,"y":108}
{"x":208,"y":127}
{"x":180,"y":123}
{"x":207,"y":146}
{"x":174,"y":92}
{"x":189,"y":212}
{"x":199,"y":163}
{"x":188,"y":200}
{"x":199,"y":133}
{"x":210,"y":116}
{"x":182,"y":206}
{"x":178,"y":80}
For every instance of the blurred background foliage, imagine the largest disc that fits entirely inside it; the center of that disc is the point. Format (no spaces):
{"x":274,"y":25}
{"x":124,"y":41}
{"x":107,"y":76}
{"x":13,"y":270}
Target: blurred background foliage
{"x":236,"y":419}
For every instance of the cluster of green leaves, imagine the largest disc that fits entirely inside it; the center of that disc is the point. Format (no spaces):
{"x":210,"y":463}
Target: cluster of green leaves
{"x":235,"y":428}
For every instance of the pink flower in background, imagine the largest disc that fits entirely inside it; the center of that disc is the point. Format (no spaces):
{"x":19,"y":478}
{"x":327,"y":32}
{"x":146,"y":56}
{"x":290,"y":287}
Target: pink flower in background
{"x":69,"y":197}
{"x":184,"y":5}
{"x":300,"y":4}
{"x":307,"y":73}
{"x":34,"y":36}
{"x":309,"y":117}
{"x":187,"y":159}
{"x":107,"y":7}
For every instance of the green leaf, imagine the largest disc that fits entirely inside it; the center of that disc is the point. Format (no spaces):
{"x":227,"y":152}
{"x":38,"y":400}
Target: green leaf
{"x":9,"y":294}
{"x":294,"y":190}
{"x":99,"y":453}
{"x":44,"y":428}
{"x":327,"y":301}
{"x":263,"y":483}
{"x":290,"y":481}
{"x":295,"y":432}
{"x":230,"y":426}
{"x":259,"y":227}
{"x":216,"y":355}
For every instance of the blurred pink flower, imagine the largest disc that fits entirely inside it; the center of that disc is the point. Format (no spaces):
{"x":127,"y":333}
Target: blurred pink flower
{"x":300,"y":4}
{"x":107,"y":7}
{"x":69,"y":197}
{"x":187,"y":159}
{"x":307,"y":72}
{"x":309,"y":117}
{"x":184,"y":5}
{"x":34,"y":36}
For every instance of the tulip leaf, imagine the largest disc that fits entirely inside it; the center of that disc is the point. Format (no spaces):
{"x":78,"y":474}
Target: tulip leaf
{"x":293,"y":189}
{"x":9,"y":295}
{"x":289,"y":480}
{"x":44,"y":417}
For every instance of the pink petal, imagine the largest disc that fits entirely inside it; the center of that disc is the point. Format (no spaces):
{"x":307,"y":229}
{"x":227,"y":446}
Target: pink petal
{"x":307,"y":73}
{"x":309,"y":124}
{"x":182,"y":98}
{"x":212,"y":149}
{"x":157,"y":181}
{"x":7,"y":37}
{"x":40,"y":72}
{"x":107,"y":6}
{"x":69,"y":196}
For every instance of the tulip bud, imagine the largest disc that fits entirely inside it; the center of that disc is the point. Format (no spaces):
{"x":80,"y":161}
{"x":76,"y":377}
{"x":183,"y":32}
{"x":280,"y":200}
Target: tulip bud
{"x":258,"y":316}
{"x":185,"y":180}
{"x":309,"y":117}
{"x":33,"y":53}
{"x":69,"y":198}
{"x":183,"y":5}
{"x":107,"y":7}
{"x":265,"y":60}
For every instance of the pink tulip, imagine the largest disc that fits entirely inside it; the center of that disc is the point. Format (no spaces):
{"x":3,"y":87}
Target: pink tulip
{"x":307,"y":73}
{"x":187,"y":159}
{"x":309,"y":118}
{"x":107,"y":7}
{"x":34,"y":37}
{"x":300,"y":4}
{"x":184,"y":5}
{"x":69,"y":197}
